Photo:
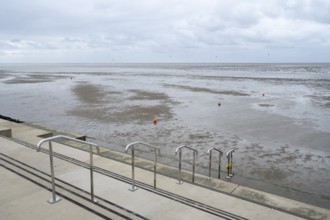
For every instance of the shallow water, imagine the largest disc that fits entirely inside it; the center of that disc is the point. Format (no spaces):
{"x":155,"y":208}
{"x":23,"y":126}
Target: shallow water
{"x":276,"y":116}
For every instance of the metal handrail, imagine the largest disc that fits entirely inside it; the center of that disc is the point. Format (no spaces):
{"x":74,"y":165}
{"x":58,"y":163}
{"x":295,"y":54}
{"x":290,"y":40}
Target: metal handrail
{"x":209,"y":152}
{"x":50,"y":139}
{"x":195,"y":153}
{"x":156,"y":150}
{"x":229,"y":166}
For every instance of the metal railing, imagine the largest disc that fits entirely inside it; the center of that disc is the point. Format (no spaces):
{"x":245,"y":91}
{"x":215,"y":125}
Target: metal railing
{"x":229,"y":164}
{"x":49,"y":140}
{"x":209,"y":152}
{"x":195,"y":152}
{"x":156,"y":150}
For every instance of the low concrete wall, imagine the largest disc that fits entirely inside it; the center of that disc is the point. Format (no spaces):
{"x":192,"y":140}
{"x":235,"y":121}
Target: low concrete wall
{"x":5,"y":132}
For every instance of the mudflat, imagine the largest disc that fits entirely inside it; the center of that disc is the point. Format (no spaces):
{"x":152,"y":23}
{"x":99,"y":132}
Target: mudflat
{"x":277,"y":119}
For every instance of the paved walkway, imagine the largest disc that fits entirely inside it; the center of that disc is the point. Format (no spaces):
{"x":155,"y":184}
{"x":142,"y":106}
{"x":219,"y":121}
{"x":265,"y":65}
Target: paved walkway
{"x":22,"y":198}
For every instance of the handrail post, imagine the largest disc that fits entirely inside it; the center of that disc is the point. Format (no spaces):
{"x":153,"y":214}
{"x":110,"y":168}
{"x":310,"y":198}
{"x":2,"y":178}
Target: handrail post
{"x":210,"y":164}
{"x":133,"y":171}
{"x":92,"y":173}
{"x":229,"y":164}
{"x":195,"y":152}
{"x":194,"y":161}
{"x":54,"y":197}
{"x":209,"y":152}
{"x":180,"y":175}
{"x":219,"y":166}
{"x":155,"y":168}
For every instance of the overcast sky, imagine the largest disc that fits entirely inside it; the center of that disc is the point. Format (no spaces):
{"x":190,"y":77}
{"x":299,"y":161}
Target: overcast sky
{"x":164,"y":31}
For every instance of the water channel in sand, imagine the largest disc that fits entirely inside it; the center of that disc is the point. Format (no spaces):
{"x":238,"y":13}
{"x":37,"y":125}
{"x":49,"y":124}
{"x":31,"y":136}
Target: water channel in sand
{"x":276,"y":116}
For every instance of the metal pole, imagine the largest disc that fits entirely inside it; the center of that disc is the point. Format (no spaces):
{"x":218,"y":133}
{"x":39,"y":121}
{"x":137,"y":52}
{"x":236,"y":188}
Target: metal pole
{"x":91,"y":173}
{"x":133,"y":166}
{"x":54,"y":197}
{"x":228,"y":167}
{"x":193,"y":177}
{"x":155,"y":168}
{"x":180,"y":177}
{"x":210,"y":164}
{"x":219,"y":165}
{"x":231,"y":164}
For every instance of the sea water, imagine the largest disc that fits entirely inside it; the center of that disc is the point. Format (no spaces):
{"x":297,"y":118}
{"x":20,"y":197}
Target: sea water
{"x":275,"y":116}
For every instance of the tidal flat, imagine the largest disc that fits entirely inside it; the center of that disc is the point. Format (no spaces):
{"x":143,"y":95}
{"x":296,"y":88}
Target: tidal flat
{"x":275,"y":116}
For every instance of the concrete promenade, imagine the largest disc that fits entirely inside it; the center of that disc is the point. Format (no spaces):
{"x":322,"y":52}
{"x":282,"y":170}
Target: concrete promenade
{"x":25,"y":187}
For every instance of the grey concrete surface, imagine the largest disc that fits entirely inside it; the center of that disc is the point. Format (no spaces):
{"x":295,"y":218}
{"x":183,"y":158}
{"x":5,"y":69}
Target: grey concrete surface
{"x":148,"y":204}
{"x":21,"y":199}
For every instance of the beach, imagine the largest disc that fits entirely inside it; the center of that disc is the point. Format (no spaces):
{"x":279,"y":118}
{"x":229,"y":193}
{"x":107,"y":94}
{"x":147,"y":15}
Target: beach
{"x":275,"y":116}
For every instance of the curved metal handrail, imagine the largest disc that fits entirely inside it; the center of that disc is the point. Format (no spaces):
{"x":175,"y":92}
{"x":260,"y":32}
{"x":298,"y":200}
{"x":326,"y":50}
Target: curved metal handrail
{"x":49,"y":140}
{"x":65,"y":137}
{"x":185,"y":146}
{"x":213,"y":148}
{"x":156,"y":150}
{"x":142,"y":143}
{"x":230,"y":152}
{"x":209,"y":152}
{"x":195,"y":153}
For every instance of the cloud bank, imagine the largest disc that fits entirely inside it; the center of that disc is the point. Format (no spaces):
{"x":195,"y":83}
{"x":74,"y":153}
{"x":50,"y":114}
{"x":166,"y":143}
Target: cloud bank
{"x":165,"y":31}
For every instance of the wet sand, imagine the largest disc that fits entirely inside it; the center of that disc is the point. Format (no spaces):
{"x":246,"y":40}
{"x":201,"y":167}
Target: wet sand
{"x":279,"y":168}
{"x":207,"y":90}
{"x":275,"y":152}
{"x":33,"y":78}
{"x":93,"y":96}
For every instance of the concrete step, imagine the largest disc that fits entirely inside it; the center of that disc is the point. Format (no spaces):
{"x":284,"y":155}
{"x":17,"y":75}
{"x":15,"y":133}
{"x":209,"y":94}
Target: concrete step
{"x":143,"y":186}
{"x":153,"y":206}
{"x":102,"y":208}
{"x":169,"y":200}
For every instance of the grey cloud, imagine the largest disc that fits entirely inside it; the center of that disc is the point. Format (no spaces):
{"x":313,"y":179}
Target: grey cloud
{"x":155,"y":28}
{"x":315,"y":10}
{"x":15,"y":40}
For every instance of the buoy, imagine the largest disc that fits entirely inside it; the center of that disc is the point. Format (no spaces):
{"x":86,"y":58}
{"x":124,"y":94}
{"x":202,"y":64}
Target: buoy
{"x":263,"y":94}
{"x":155,"y":121}
{"x":219,"y":104}
{"x":230,"y":165}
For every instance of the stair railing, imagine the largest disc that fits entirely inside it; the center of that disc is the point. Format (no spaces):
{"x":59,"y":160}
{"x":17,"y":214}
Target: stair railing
{"x":195,"y":153}
{"x":209,"y":152}
{"x":49,"y":140}
{"x":133,"y":145}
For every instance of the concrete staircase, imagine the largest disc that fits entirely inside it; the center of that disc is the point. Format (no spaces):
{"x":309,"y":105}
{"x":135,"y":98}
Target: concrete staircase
{"x":26,"y":186}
